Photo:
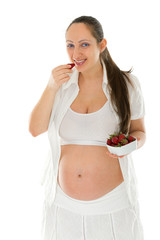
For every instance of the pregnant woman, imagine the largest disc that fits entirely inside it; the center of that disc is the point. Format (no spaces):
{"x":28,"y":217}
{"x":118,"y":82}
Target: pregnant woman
{"x":90,"y":194}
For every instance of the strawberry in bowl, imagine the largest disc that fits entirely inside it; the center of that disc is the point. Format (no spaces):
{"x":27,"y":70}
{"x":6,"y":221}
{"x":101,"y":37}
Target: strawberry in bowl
{"x":121,"y":144}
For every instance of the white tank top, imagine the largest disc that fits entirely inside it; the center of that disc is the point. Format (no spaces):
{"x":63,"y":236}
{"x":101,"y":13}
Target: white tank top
{"x":87,"y":128}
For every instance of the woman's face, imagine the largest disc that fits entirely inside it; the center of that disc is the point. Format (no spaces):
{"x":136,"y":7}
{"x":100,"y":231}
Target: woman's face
{"x":82,"y":47}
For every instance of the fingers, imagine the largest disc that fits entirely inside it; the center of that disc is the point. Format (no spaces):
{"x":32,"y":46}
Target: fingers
{"x":60,"y":67}
{"x":62,"y":72}
{"x":60,"y":75}
{"x":112,"y":155}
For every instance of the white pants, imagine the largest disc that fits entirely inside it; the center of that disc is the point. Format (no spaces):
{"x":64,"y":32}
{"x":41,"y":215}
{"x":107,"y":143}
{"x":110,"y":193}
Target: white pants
{"x":110,"y":217}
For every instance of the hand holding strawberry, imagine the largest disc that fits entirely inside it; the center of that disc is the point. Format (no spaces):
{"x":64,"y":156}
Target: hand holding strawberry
{"x":72,"y":65}
{"x":117,"y":144}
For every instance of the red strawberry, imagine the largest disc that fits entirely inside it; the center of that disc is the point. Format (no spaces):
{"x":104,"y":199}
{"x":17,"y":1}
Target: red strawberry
{"x":118,"y":145}
{"x":113,"y":135}
{"x":109,"y":142}
{"x":72,"y":65}
{"x":118,"y":140}
{"x":131,"y":139}
{"x":115,"y":140}
{"x":124,"y":141}
{"x":121,"y":136}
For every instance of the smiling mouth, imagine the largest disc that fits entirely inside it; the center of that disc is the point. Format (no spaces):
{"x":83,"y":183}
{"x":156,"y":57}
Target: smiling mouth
{"x":79,"y":63}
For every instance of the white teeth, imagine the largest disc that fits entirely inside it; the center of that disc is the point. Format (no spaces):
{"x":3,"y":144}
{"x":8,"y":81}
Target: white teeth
{"x":80,"y":61}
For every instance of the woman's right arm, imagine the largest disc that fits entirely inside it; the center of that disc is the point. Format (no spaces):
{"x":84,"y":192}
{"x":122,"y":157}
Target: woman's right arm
{"x":40,"y":115}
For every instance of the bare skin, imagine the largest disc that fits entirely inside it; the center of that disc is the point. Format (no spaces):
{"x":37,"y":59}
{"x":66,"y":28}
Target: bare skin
{"x":86,"y":172}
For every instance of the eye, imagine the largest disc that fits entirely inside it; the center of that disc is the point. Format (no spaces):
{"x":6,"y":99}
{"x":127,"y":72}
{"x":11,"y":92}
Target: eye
{"x":83,"y":44}
{"x":86,"y":44}
{"x":69,"y":45}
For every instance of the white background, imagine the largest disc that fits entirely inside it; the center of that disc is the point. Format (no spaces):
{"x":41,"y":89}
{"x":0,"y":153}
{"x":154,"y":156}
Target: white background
{"x":32,"y":43}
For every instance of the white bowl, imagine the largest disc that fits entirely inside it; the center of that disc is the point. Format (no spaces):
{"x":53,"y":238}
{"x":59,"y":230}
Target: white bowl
{"x":123,"y":150}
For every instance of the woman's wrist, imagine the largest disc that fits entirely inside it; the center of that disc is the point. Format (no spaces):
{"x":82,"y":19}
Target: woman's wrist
{"x":141,"y":138}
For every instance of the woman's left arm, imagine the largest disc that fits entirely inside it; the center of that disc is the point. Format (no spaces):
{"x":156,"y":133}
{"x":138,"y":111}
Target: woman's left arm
{"x":137,"y":126}
{"x":138,"y":130}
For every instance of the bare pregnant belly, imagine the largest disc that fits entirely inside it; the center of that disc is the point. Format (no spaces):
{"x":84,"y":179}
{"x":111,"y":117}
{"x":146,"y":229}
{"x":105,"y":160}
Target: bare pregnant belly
{"x":87,"y":172}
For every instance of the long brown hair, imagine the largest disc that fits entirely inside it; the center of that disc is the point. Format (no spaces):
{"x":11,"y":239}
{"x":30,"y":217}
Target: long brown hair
{"x":117,"y":78}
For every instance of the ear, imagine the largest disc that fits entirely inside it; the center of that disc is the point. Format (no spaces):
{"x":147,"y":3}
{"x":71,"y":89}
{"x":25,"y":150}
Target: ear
{"x":103,"y":45}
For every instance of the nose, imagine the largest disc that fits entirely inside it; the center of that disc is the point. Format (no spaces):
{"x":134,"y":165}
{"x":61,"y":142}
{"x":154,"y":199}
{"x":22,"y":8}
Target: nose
{"x":76,"y":53}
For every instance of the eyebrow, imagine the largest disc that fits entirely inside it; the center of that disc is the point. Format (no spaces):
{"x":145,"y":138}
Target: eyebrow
{"x":79,"y":41}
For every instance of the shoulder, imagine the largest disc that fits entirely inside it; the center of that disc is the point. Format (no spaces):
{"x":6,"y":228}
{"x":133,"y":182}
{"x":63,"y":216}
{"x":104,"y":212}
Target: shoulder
{"x":135,"y":83}
{"x":135,"y":80}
